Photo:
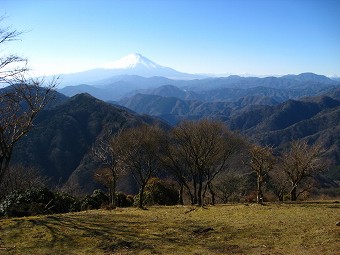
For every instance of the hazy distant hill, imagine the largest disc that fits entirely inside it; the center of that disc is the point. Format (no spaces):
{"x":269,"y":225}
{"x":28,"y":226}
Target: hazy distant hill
{"x":308,"y":77}
{"x":230,"y":88}
{"x":115,"y":87}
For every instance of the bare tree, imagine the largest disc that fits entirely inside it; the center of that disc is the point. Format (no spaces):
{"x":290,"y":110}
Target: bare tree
{"x":261,"y":162}
{"x":140,"y":150}
{"x":105,"y":151}
{"x":197,"y":152}
{"x":279,"y":182}
{"x":21,"y":100}
{"x":230,"y":187}
{"x":301,"y":162}
{"x":10,"y":65}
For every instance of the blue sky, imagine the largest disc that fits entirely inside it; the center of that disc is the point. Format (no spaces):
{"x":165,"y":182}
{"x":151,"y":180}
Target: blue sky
{"x":264,"y":37}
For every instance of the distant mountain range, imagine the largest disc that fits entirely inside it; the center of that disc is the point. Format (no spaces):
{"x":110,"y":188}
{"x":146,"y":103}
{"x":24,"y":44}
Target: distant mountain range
{"x":137,"y":74}
{"x":214,"y":97}
{"x":136,"y":64}
{"x":132,"y":64}
{"x":230,"y":88}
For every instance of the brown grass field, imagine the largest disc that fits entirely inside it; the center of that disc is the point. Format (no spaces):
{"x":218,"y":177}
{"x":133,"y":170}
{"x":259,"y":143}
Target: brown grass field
{"x":301,"y":228}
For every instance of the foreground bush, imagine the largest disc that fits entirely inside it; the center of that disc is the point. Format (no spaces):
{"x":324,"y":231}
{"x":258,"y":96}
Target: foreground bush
{"x":124,"y":200}
{"x":37,"y":201}
{"x":95,"y":201}
{"x":158,"y":192}
{"x":44,"y":201}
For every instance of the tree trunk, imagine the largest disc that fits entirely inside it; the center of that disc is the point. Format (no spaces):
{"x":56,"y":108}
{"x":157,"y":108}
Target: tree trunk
{"x":211,"y":191}
{"x":281,"y":196}
{"x":192,"y":196}
{"x":187,"y":188}
{"x":293,"y":195}
{"x":259,"y":197}
{"x":213,"y":199}
{"x":141,"y":197}
{"x":199,"y":192}
{"x":195,"y":197}
{"x":180,"y":195}
{"x":204,"y":192}
{"x":4,"y":166}
{"x":113,"y":193}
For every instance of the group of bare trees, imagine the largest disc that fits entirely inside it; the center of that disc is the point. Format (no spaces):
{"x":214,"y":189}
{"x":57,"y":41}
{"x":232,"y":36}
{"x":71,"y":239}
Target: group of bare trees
{"x":291,"y":171}
{"x":137,"y":150}
{"x":195,"y":154}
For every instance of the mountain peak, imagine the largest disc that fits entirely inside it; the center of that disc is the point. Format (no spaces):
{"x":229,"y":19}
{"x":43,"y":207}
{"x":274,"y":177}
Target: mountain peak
{"x":309,"y":77}
{"x":132,"y":60}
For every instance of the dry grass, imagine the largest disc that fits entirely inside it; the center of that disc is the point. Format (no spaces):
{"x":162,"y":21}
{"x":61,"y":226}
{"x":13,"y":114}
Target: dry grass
{"x":308,"y":228}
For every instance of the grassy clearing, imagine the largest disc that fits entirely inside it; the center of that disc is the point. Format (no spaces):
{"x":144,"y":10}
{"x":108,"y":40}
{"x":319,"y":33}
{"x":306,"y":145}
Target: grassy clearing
{"x":308,"y":228}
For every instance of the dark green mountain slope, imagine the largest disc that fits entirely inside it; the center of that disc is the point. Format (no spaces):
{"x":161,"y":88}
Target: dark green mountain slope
{"x":324,"y":127}
{"x":60,"y":143}
{"x":312,"y":118}
{"x":285,"y":115}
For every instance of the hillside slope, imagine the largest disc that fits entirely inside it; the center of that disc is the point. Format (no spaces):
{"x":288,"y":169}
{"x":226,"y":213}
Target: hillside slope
{"x":60,"y":142}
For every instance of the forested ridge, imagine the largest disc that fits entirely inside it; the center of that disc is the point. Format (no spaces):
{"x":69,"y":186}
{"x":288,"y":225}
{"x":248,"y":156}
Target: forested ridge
{"x":61,"y":147}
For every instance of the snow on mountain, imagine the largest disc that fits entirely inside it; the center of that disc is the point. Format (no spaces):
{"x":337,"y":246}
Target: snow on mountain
{"x":132,"y":64}
{"x":132,"y":61}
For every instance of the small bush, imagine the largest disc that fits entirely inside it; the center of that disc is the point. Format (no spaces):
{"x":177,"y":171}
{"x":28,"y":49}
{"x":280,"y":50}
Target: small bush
{"x":123,"y":200}
{"x":251,"y":197}
{"x":97,"y":200}
{"x":29,"y":202}
{"x":66,"y":203}
{"x":88,"y":203}
{"x":162,"y":193}
{"x":147,"y":199}
{"x":158,"y":192}
{"x":37,"y":201}
{"x":286,"y":197}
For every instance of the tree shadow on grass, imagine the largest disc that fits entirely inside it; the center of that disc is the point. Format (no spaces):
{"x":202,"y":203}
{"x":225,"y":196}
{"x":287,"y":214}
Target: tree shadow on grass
{"x":71,"y":233}
{"x":126,"y":234}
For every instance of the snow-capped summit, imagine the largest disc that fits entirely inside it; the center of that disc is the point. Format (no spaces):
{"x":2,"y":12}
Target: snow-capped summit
{"x":132,"y":64}
{"x":137,"y":64}
{"x":133,"y":60}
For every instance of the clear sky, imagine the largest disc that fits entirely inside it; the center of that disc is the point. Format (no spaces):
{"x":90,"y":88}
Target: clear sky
{"x":264,"y":37}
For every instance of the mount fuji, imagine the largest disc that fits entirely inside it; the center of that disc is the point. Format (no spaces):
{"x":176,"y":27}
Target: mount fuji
{"x":137,"y":64}
{"x":134,"y":60}
{"x":132,"y":64}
